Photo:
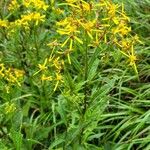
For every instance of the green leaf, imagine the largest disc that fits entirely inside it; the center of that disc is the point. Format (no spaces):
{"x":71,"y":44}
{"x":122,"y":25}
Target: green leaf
{"x":16,"y":137}
{"x":93,"y":69}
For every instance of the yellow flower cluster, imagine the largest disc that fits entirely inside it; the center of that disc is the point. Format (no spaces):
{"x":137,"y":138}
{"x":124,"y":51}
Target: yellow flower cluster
{"x":36,"y":4}
{"x":103,"y":22}
{"x":12,"y":76}
{"x":69,"y":27}
{"x":30,"y":15}
{"x":14,"y":5}
{"x":84,"y":24}
{"x":35,"y":17}
{"x":51,"y":69}
{"x":3,"y":23}
{"x":9,"y":108}
{"x":25,"y":22}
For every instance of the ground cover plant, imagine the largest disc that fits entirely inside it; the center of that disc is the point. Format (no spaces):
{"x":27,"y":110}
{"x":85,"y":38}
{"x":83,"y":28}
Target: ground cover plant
{"x":74,"y":75}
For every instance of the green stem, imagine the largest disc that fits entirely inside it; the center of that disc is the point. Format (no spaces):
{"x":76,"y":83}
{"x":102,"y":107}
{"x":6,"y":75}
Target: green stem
{"x":54,"y":119}
{"x":85,"y":101}
{"x":85,"y":79}
{"x":36,"y":43}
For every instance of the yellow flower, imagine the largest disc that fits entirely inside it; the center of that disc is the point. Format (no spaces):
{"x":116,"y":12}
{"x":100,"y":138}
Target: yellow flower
{"x":89,"y":27}
{"x":124,"y":43}
{"x":3,"y":23}
{"x":46,"y":78}
{"x":57,"y":63}
{"x":62,"y":22}
{"x":132,"y":58}
{"x":53,"y":44}
{"x":13,"y":5}
{"x":58,"y":79}
{"x":37,"y":4}
{"x":71,"y":39}
{"x":7,"y":88}
{"x":122,"y":29}
{"x":13,"y":76}
{"x":20,"y":23}
{"x":18,"y":73}
{"x":71,"y":1}
{"x":95,"y":42}
{"x":41,"y":67}
{"x":52,"y":2}
{"x":2,"y":68}
{"x":116,"y":20}
{"x":57,"y":11}
{"x":10,"y":108}
{"x":70,"y":28}
{"x":123,"y":13}
{"x":27,"y":3}
{"x":80,"y":5}
{"x":85,"y":6}
{"x":37,"y":17}
{"x":136,"y":39}
{"x":110,"y":7}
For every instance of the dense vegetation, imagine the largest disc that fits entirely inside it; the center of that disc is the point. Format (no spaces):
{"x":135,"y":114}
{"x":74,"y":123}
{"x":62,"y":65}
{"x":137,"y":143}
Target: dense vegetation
{"x":74,"y":75}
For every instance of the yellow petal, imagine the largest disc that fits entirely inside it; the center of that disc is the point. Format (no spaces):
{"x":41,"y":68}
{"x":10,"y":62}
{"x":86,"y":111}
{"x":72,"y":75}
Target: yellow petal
{"x":80,"y":41}
{"x":65,"y":42}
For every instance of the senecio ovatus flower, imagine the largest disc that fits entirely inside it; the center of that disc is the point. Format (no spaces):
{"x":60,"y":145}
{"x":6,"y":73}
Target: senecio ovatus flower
{"x":35,"y":16}
{"x":12,"y":76}
{"x":3,"y":23}
{"x":37,"y":4}
{"x":14,"y":5}
{"x":103,"y":22}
